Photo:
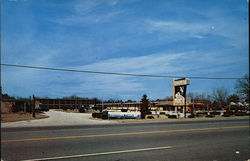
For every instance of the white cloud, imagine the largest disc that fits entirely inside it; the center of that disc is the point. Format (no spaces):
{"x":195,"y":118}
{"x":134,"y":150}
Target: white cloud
{"x":85,"y":6}
{"x":63,"y":48}
{"x":58,"y":84}
{"x":87,"y":12}
{"x":198,"y":36}
{"x":172,"y":31}
{"x":65,"y":83}
{"x":110,"y":84}
{"x":175,"y":26}
{"x":17,"y":0}
{"x":234,"y":30}
{"x":74,"y":20}
{"x":149,"y":64}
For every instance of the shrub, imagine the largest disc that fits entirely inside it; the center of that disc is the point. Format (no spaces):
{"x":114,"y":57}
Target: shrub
{"x":64,"y":108}
{"x":150,"y":117}
{"x":81,"y":109}
{"x":199,"y":114}
{"x":15,"y":108}
{"x":191,"y":116}
{"x":240,"y":113}
{"x":210,"y":115}
{"x":104,"y":115}
{"x":172,"y":116}
{"x":226,"y":114}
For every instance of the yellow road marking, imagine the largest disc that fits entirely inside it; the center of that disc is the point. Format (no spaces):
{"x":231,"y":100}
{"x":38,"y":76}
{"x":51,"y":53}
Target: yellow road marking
{"x":119,"y":134}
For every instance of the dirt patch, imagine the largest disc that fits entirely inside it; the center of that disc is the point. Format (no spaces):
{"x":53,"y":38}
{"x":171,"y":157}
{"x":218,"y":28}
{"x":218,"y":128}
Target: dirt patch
{"x":73,"y":111}
{"x":68,"y":111}
{"x":13,"y":117}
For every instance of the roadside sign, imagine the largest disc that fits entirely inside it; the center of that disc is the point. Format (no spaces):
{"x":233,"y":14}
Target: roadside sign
{"x":179,"y":91}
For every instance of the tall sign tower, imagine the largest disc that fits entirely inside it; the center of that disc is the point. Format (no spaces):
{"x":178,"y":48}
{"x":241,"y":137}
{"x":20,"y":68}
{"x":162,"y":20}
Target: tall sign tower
{"x":179,"y":92}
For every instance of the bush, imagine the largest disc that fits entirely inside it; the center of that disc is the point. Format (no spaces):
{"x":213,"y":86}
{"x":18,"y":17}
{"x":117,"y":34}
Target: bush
{"x":226,"y":115}
{"x":99,"y":115}
{"x":191,"y":116}
{"x":96,"y":115}
{"x":215,"y":113}
{"x":124,"y":110}
{"x":45,"y":109}
{"x":28,"y":108}
{"x":210,"y":116}
{"x":198,"y":115}
{"x":150,"y":117}
{"x":81,"y":109}
{"x":15,"y":108}
{"x":64,"y":108}
{"x":240,"y":113}
{"x":172,"y":116}
{"x":104,"y":115}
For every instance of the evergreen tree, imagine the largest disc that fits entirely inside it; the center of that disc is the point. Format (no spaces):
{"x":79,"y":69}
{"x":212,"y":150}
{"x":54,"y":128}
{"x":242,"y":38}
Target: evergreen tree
{"x":144,"y":107}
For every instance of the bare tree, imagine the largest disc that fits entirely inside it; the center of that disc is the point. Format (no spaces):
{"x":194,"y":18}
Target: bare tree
{"x":196,"y":97}
{"x":219,"y":96}
{"x":242,"y":88}
{"x":233,"y":98}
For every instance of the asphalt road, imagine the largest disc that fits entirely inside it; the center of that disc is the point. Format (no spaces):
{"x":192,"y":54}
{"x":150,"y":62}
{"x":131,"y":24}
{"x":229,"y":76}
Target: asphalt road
{"x":203,"y":140}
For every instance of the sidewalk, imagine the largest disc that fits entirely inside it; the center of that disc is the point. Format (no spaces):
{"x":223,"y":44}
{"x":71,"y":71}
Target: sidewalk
{"x":58,"y":118}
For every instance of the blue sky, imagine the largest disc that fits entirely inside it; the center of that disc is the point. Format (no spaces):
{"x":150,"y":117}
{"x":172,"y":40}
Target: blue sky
{"x":163,"y":37}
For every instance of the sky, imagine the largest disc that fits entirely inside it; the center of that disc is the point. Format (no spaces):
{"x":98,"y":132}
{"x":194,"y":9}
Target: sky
{"x":165,"y":37}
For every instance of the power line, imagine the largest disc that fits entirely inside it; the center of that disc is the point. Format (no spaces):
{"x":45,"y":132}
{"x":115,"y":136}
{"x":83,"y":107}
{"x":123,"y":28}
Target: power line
{"x":114,"y":73}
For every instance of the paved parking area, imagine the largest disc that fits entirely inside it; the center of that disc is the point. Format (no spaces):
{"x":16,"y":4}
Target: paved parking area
{"x":57,"y":118}
{"x":60,"y":118}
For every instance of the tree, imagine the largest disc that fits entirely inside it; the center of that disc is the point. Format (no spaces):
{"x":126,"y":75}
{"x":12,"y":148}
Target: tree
{"x":74,"y":96}
{"x":219,"y":95}
{"x":233,"y":98}
{"x":169,"y":98}
{"x":242,"y":88}
{"x":144,"y":107}
{"x":130,"y":101}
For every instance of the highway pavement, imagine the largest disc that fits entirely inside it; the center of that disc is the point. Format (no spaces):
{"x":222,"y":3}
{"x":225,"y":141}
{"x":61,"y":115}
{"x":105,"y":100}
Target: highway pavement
{"x":159,"y":141}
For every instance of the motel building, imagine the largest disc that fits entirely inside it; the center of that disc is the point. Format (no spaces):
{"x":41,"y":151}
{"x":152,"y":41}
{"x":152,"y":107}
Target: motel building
{"x":156,"y":107}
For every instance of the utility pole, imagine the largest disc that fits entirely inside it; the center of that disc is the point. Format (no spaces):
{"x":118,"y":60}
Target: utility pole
{"x":0,"y":95}
{"x":102,"y":106}
{"x":33,"y":107}
{"x":30,"y":103}
{"x":193,"y":105}
{"x":0,"y":64}
{"x":24,"y":108}
{"x":185,"y":107}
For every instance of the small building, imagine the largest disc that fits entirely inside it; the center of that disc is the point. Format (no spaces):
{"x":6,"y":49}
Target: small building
{"x":7,"y":106}
{"x":64,"y":103}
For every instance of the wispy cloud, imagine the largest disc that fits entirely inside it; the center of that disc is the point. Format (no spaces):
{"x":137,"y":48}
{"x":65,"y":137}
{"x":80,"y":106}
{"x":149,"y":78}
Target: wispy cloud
{"x":177,"y":30}
{"x":89,"y":19}
{"x":175,"y":26}
{"x":88,"y":12}
{"x":17,"y":0}
{"x":91,"y":85}
{"x":213,"y":25}
{"x":148,"y":64}
{"x":120,"y":36}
